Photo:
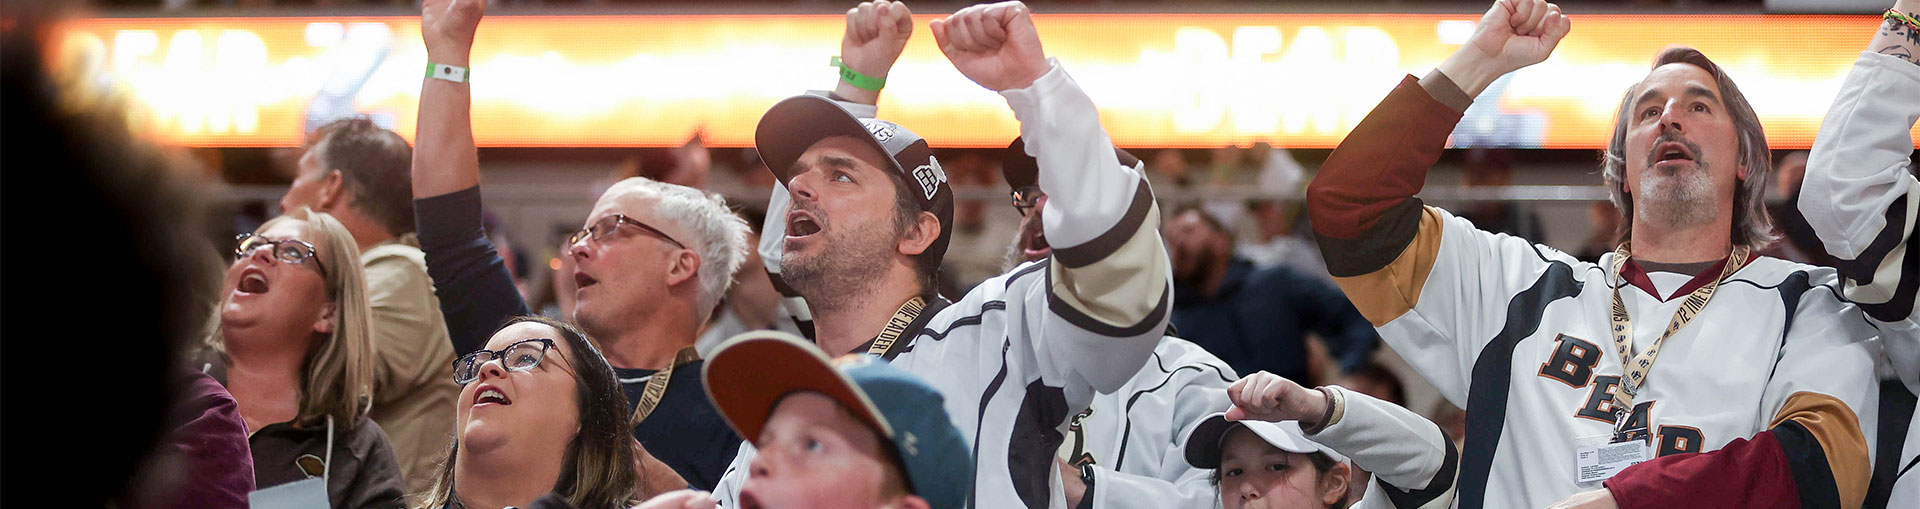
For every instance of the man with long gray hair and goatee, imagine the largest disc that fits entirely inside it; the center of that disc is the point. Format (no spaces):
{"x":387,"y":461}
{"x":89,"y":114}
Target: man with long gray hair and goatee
{"x":1682,"y":368}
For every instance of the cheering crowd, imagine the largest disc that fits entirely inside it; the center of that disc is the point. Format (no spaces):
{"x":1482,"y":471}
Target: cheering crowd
{"x":370,"y":348}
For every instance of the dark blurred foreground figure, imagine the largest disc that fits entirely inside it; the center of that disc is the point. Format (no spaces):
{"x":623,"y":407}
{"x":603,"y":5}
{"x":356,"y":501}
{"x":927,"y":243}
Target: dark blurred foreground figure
{"x":168,"y":437}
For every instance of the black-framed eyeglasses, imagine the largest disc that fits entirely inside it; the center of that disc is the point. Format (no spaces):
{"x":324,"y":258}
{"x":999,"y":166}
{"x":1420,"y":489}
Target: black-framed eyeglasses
{"x":1026,"y":198}
{"x":522,"y":356}
{"x":605,"y":226}
{"x":290,"y":251}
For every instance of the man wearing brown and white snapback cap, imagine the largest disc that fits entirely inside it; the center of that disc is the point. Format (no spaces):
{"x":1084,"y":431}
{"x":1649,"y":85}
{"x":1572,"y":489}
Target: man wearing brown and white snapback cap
{"x":862,"y":219}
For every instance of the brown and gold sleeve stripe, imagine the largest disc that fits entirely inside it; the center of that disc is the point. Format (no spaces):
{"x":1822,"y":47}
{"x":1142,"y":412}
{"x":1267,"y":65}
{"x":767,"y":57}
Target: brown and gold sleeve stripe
{"x":1825,"y":450}
{"x":1394,"y":289}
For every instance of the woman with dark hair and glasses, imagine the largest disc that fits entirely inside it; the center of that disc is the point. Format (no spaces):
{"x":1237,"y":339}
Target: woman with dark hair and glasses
{"x":542,"y":422}
{"x":292,"y":343}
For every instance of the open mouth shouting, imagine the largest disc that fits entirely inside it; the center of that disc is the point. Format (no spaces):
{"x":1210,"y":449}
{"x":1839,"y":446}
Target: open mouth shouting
{"x":253,"y":281}
{"x":1671,"y":153}
{"x":490,"y":395}
{"x":1033,"y":242}
{"x":802,"y":224}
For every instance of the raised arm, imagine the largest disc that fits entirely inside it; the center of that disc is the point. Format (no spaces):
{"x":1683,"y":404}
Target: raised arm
{"x":1110,"y":291}
{"x":1860,"y":194}
{"x":1412,"y":461}
{"x":1364,"y":196}
{"x":1431,"y":300}
{"x":876,"y":34}
{"x":444,"y":157}
{"x":476,"y":291}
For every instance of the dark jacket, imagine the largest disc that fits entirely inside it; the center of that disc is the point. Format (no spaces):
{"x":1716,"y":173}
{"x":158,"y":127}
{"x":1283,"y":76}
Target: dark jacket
{"x":362,"y":473}
{"x":1259,"y":318}
{"x":204,"y":462}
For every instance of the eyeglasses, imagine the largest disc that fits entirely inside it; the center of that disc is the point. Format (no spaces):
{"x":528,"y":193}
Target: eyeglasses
{"x":605,"y":226}
{"x":290,"y":251}
{"x":519,"y":357}
{"x":1026,"y":198}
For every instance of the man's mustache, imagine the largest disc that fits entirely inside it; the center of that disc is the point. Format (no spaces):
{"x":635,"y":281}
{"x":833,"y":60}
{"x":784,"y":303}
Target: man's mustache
{"x":1653,"y":154}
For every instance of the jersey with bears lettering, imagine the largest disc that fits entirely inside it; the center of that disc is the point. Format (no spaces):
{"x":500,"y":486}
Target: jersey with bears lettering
{"x":1519,"y":335}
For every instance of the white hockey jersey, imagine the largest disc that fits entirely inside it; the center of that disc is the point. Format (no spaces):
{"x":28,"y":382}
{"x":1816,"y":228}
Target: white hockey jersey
{"x":1024,"y":351}
{"x":1414,"y":464}
{"x":1135,"y":437}
{"x":1861,"y":198}
{"x":1519,"y":335}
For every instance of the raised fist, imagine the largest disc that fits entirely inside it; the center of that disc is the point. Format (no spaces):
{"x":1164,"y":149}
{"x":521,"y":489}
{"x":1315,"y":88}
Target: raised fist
{"x":876,"y":34}
{"x":1268,"y":397}
{"x":447,"y":27}
{"x":993,"y":45}
{"x":1518,"y":33}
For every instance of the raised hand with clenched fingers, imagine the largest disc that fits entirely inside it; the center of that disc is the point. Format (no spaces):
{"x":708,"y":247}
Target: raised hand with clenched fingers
{"x":447,"y":27}
{"x":877,"y":32}
{"x":1268,"y":397}
{"x":994,"y":45}
{"x":1513,"y":34}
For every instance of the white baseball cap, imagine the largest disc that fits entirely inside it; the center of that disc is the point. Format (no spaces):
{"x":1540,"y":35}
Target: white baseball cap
{"x":1206,"y":442}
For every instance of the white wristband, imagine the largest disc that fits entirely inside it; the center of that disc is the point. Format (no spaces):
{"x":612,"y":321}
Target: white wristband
{"x":451,"y":73}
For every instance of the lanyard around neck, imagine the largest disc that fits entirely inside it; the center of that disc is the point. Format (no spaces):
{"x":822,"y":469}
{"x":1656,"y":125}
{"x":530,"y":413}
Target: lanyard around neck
{"x":897,"y":326}
{"x":657,"y":385}
{"x":1635,"y":368}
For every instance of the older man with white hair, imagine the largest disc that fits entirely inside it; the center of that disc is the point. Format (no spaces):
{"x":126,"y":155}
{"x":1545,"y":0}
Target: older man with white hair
{"x":652,"y":262}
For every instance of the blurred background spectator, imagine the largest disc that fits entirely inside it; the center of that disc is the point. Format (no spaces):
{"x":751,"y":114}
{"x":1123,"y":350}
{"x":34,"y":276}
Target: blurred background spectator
{"x":1256,"y":319}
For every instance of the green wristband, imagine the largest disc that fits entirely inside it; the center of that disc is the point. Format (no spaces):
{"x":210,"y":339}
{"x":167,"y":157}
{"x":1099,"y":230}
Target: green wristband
{"x":451,"y":73}
{"x":856,"y":79}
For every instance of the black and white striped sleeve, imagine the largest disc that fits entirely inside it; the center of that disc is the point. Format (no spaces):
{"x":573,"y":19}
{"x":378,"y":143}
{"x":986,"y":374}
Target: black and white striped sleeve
{"x":1109,"y":287}
{"x":1861,"y":198}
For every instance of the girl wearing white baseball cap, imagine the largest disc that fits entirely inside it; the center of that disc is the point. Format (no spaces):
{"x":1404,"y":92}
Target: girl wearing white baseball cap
{"x":1285,"y":446}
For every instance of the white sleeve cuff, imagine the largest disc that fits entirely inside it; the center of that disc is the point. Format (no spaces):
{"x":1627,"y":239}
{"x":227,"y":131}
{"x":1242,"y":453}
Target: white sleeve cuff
{"x":1024,"y":100}
{"x":857,"y":109}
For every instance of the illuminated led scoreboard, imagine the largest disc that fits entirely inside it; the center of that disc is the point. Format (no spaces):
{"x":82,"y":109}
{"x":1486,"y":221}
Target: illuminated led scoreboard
{"x":1187,"y":80}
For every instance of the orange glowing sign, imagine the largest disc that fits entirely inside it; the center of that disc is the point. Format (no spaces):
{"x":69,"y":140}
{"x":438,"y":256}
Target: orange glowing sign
{"x":1190,"y":80}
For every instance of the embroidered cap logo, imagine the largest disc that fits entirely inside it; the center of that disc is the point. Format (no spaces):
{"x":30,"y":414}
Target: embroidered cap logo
{"x":930,"y":176}
{"x":880,"y":130}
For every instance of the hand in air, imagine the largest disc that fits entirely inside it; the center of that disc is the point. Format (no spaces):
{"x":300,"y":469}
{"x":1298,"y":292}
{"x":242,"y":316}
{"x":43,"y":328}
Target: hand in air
{"x":1268,"y":397}
{"x":876,"y":34}
{"x":994,"y":45}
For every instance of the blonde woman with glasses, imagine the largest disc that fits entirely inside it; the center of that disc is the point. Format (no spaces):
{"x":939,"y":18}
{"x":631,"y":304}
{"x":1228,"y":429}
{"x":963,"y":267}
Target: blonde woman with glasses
{"x":292,"y":343}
